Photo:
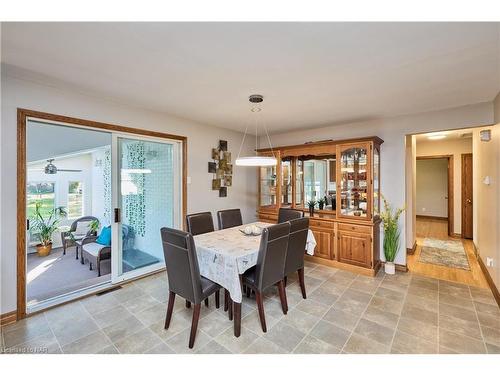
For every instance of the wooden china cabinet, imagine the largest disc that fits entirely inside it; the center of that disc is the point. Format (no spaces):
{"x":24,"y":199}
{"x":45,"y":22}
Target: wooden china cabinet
{"x":345,"y":176}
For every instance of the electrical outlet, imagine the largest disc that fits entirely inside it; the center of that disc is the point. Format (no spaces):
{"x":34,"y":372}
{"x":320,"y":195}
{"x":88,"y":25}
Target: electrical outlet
{"x":489,"y":262}
{"x":423,"y":209}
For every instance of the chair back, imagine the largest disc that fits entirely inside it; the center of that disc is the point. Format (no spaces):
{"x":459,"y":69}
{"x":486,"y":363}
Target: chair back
{"x":182,"y":264}
{"x":199,"y":223}
{"x":229,"y":218}
{"x":82,"y":219}
{"x":287,"y":214}
{"x":272,"y":254}
{"x":296,"y":245}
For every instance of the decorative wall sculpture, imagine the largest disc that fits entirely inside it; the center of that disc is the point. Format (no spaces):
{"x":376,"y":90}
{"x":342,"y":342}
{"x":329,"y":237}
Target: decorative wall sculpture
{"x":221,"y":168}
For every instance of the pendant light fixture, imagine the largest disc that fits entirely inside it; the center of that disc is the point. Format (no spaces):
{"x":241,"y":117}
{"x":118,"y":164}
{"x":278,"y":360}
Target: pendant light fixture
{"x":257,"y":160}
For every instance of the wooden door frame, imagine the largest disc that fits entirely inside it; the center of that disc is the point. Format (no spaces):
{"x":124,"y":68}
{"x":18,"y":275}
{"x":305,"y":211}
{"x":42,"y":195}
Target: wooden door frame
{"x":462,"y":178}
{"x":450,"y":188}
{"x":22,"y":117}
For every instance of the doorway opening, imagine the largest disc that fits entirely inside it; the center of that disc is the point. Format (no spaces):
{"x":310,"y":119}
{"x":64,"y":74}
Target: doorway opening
{"x":439,"y":198}
{"x":92,"y":198}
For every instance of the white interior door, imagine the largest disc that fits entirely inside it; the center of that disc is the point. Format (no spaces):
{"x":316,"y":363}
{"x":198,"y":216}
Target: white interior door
{"x":147,"y":196}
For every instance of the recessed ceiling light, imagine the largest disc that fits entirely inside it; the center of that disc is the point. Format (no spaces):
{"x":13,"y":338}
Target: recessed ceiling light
{"x":435,"y":137}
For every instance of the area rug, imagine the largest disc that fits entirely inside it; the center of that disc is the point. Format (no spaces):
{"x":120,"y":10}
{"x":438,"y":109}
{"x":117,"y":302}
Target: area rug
{"x":444,"y":253}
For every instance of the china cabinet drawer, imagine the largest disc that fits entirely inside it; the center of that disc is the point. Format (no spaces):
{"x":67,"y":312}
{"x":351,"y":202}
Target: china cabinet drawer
{"x":321,"y":224}
{"x":268,"y":218}
{"x":355,"y":228}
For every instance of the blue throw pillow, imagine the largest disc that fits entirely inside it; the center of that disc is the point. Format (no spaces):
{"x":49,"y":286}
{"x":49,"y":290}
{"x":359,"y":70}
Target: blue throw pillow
{"x":105,"y":236}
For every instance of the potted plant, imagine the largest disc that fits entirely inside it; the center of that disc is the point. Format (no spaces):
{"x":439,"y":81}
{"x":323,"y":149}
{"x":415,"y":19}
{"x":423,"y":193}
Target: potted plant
{"x":311,"y":204}
{"x":321,"y":203}
{"x":94,"y":227}
{"x":390,"y":220}
{"x":46,"y":227}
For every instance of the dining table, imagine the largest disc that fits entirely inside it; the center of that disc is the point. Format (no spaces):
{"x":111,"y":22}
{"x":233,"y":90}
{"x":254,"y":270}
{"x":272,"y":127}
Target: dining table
{"x":224,"y":255}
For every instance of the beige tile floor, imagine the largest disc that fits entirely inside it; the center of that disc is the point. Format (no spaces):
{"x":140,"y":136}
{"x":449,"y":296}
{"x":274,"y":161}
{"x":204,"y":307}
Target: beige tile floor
{"x":344,"y":313}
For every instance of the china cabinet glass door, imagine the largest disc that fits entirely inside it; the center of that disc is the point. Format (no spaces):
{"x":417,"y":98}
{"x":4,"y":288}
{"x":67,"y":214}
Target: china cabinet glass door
{"x":354,"y":189}
{"x":286,"y":182}
{"x":268,"y":186}
{"x":299,"y":183}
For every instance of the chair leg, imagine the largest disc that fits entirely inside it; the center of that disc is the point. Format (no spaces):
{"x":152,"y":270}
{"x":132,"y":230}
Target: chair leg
{"x":82,"y":261}
{"x":282,"y":292}
{"x":226,"y":300}
{"x":260,"y":306}
{"x":217,"y":299}
{"x":286,"y":280}
{"x":98,"y":268}
{"x":76,"y":251}
{"x":90,"y":266}
{"x":301,"y":282}
{"x":230,"y":308}
{"x":248,"y":292}
{"x":170,"y":308}
{"x":206,"y":302}
{"x":188,"y":304}
{"x":194,"y":324}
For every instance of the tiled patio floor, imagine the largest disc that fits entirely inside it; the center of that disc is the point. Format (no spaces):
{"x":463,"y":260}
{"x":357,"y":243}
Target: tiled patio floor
{"x":344,"y":313}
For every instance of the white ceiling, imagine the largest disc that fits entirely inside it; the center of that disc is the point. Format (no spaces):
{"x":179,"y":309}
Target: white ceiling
{"x":311,"y":74}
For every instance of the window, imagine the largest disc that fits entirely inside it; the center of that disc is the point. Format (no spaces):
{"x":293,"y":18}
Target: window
{"x":75,"y":199}
{"x":43,"y":192}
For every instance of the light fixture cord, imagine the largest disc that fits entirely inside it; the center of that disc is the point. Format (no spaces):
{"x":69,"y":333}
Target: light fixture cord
{"x":268,"y":138}
{"x":242,"y":141}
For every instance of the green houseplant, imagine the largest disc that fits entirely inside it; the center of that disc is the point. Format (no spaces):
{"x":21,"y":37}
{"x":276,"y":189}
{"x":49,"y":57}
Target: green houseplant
{"x":390,"y":220}
{"x":46,"y":227}
{"x":311,"y":204}
{"x":321,"y":203}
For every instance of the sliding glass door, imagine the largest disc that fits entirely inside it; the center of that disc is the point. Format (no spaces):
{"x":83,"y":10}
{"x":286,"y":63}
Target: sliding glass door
{"x":105,"y":195}
{"x":148,"y":197}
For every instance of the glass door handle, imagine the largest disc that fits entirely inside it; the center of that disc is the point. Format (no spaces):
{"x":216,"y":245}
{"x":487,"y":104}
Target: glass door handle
{"x":117,"y":215}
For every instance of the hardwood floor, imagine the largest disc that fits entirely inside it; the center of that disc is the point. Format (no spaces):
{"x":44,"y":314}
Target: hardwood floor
{"x":435,"y":228}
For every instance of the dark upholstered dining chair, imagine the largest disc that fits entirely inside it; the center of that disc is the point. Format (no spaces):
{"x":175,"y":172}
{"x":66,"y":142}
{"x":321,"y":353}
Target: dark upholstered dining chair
{"x":287,"y":214}
{"x":229,"y":218}
{"x":199,"y":223}
{"x":184,"y":277}
{"x":296,"y":248}
{"x":270,"y":267}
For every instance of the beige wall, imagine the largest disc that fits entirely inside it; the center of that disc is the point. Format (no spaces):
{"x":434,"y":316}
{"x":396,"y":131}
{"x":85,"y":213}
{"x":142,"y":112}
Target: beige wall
{"x":393,"y":131}
{"x":411,"y":190}
{"x":43,"y":94}
{"x":487,"y":197}
{"x":455,"y":147}
{"x":432,"y":187}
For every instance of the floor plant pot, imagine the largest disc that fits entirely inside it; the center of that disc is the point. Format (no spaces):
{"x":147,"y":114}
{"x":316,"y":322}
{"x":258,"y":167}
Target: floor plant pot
{"x":43,"y":250}
{"x":311,"y":211}
{"x":390,"y":268}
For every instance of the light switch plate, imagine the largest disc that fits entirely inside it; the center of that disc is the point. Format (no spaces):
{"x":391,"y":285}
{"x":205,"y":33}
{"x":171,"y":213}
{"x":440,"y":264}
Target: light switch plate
{"x":489,"y":262}
{"x":188,"y":179}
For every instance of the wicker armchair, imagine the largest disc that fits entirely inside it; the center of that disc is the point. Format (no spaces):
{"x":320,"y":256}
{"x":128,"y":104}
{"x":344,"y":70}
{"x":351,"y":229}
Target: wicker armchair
{"x":70,"y":238}
{"x":95,"y":252}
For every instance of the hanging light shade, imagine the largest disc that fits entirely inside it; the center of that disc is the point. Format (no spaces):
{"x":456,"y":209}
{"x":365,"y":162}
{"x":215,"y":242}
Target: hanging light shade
{"x":256,"y":160}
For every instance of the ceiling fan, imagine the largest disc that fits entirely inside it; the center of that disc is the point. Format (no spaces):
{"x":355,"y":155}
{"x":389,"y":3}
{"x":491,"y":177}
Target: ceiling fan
{"x":52,"y":169}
